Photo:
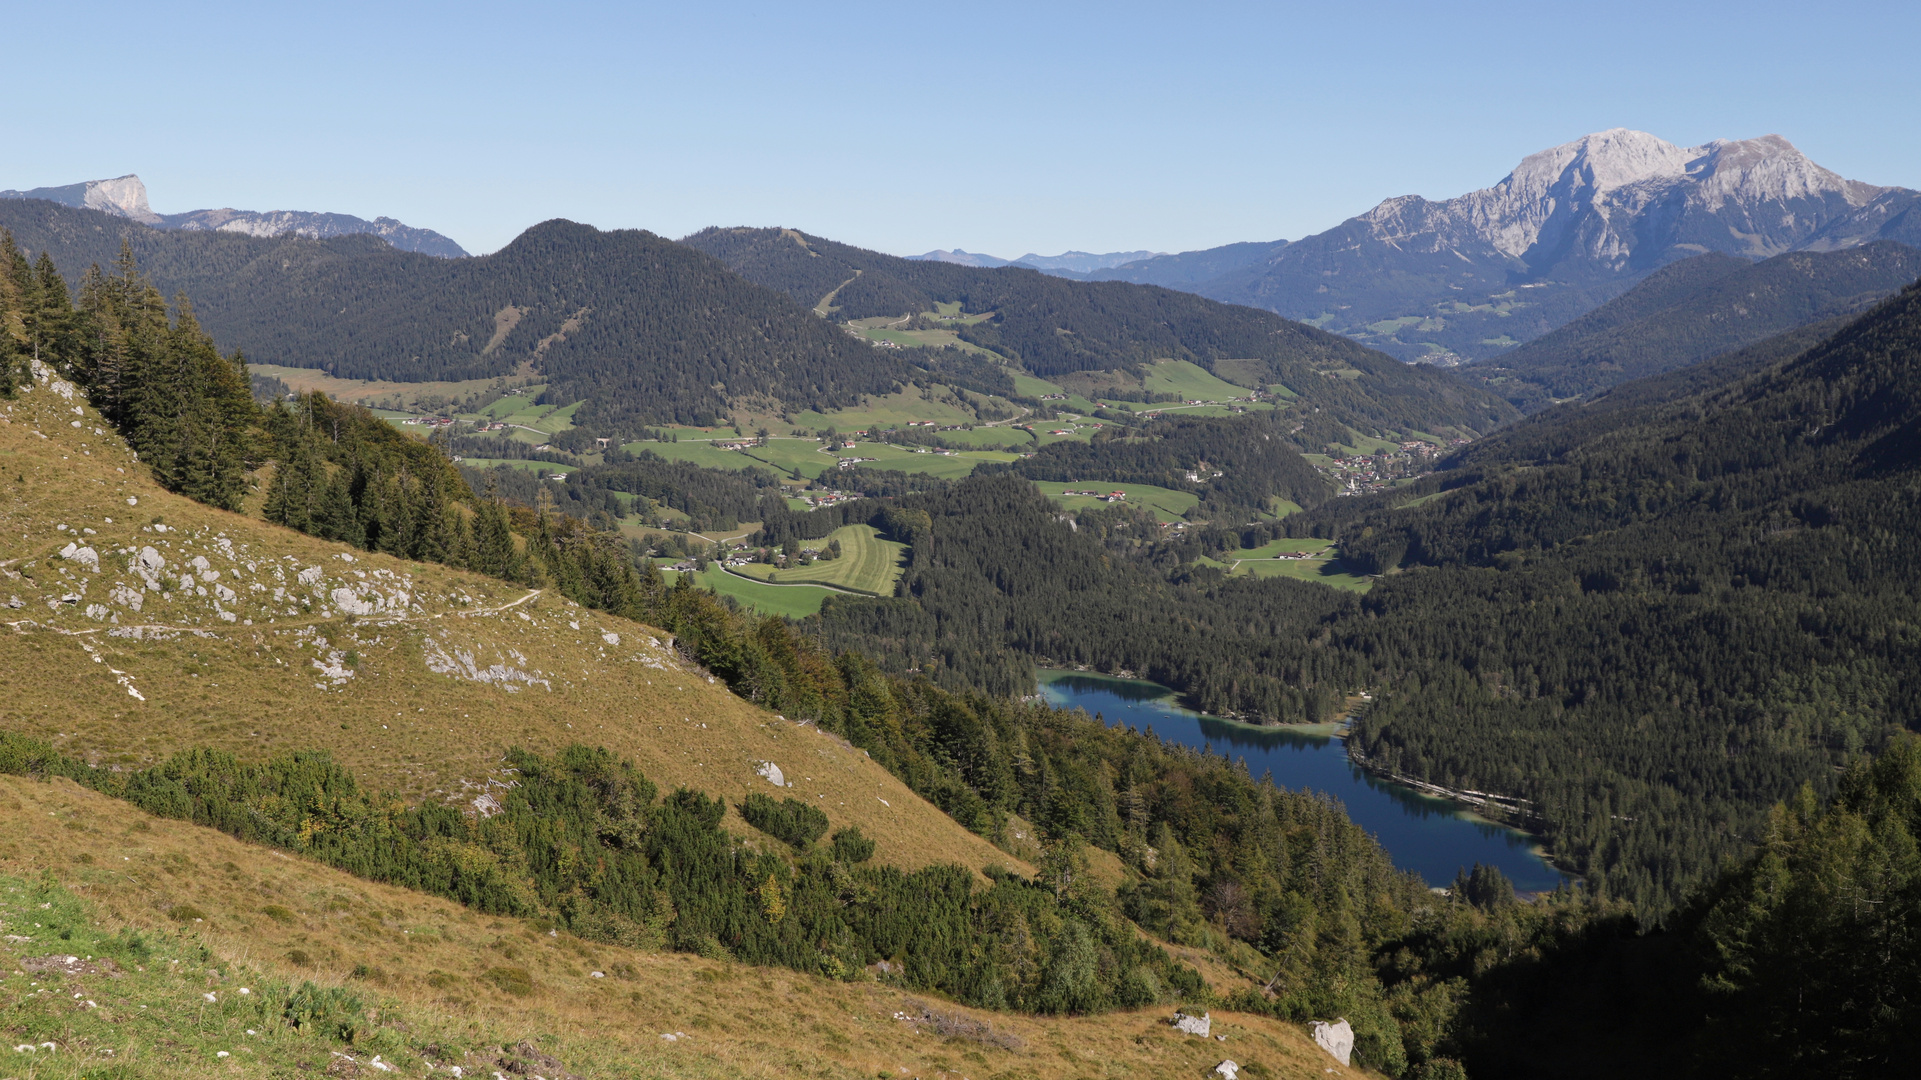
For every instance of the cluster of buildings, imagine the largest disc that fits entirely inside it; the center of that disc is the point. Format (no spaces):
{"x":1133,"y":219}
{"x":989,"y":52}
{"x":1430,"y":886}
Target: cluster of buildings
{"x":1110,"y":497}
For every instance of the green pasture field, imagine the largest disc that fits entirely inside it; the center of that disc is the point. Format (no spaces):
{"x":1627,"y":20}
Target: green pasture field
{"x":1029,"y":386}
{"x":791,"y":601}
{"x":887,"y":411}
{"x":986,"y":437}
{"x":1206,"y":410}
{"x":945,"y":466}
{"x":935,"y":339}
{"x":788,"y":454}
{"x":1167,"y":504}
{"x":1288,"y":544}
{"x":867,"y":564}
{"x":1245,"y":373}
{"x":502,"y":408}
{"x":515,"y":463}
{"x":1325,"y":571}
{"x":698,"y":453}
{"x":1189,"y":380}
{"x":952,"y":310}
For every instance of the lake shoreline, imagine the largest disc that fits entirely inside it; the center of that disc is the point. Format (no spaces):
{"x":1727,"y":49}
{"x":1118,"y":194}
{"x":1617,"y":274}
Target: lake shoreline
{"x":1367,"y":789}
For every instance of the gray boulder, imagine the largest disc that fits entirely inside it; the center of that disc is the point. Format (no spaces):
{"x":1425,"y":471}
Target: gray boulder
{"x":1336,"y":1038}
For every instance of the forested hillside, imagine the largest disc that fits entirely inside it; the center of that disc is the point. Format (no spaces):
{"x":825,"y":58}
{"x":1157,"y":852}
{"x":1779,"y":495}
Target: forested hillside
{"x":638,"y":329}
{"x":1660,"y":624}
{"x":1694,"y":309}
{"x":1054,"y":326}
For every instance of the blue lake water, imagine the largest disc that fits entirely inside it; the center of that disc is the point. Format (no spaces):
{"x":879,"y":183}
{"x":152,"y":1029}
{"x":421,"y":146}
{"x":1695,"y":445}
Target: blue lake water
{"x":1432,"y":837}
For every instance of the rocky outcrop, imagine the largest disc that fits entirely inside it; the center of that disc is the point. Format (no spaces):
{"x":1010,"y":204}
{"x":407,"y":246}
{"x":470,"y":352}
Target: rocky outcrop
{"x":1193,"y":1025}
{"x":1336,"y":1038}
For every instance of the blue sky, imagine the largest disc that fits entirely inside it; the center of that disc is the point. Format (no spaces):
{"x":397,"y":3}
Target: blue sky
{"x":1002,"y":128}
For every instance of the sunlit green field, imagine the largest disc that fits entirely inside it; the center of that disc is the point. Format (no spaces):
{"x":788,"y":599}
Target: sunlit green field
{"x":1189,"y":380}
{"x":867,"y":563}
{"x":542,"y":467}
{"x":1167,"y":504}
{"x":946,"y":467}
{"x":791,"y":601}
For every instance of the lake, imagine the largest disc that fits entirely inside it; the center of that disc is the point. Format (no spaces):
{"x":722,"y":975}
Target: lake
{"x":1432,"y":837}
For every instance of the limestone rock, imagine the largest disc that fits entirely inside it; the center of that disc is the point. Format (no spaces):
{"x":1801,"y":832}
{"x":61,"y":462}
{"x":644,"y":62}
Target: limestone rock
{"x":1228,"y":1070}
{"x":1336,"y":1038}
{"x":1194,"y":1025}
{"x":771,"y":773}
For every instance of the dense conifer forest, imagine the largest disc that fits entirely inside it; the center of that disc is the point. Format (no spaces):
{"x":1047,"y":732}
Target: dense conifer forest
{"x":1694,"y":309}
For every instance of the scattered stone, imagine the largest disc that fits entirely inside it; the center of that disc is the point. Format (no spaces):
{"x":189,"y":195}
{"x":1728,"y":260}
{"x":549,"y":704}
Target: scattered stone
{"x":771,"y":773}
{"x":1193,"y":1025}
{"x":69,"y":965}
{"x":1336,"y":1038}
{"x":1228,"y":1070}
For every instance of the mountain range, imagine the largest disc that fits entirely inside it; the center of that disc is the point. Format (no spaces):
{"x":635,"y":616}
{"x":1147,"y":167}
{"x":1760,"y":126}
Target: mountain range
{"x":642,"y":330}
{"x":126,"y":196}
{"x":1568,"y":229}
{"x":1067,"y":263}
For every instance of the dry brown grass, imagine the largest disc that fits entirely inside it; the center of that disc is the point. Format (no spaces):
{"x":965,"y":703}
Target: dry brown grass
{"x":253,"y":689}
{"x":430,"y":958}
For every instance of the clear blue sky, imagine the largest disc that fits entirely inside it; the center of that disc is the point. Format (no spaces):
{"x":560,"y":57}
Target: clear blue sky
{"x":1002,"y":128}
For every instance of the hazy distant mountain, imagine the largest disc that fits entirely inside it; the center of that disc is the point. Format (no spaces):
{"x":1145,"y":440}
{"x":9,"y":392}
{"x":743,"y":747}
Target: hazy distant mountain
{"x":1066,"y":264}
{"x":960,"y":258}
{"x":1567,"y":230}
{"x":126,"y":196}
{"x":1082,"y":262}
{"x":1189,"y":268}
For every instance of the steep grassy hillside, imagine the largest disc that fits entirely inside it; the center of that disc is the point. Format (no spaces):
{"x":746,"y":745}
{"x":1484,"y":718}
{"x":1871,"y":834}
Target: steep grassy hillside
{"x":172,"y":625}
{"x":162,"y":915}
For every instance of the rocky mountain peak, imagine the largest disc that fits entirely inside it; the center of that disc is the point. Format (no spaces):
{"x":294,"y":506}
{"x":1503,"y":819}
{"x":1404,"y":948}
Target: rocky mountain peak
{"x":126,"y":196}
{"x":122,"y":196}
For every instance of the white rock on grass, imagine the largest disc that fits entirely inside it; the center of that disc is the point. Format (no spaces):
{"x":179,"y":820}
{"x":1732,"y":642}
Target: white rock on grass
{"x":771,"y":773}
{"x":1228,"y":1070}
{"x":1194,"y":1025}
{"x":1336,"y":1038}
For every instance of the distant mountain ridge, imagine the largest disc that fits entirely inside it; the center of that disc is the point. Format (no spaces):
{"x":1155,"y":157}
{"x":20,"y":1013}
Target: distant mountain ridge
{"x":1694,"y":309}
{"x":126,"y":196}
{"x":1066,"y":264}
{"x":1568,"y":229}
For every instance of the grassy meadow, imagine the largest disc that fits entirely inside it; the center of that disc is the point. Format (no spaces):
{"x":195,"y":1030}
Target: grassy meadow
{"x":868,"y":564}
{"x":1167,"y":504}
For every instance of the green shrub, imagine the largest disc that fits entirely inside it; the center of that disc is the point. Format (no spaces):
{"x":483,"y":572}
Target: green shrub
{"x":789,"y":820}
{"x":186,"y":913}
{"x":851,"y":847}
{"x":511,"y":980}
{"x":277,"y":913}
{"x":327,"y":1011}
